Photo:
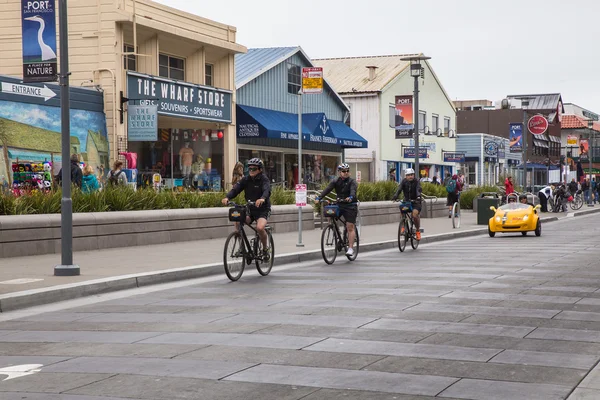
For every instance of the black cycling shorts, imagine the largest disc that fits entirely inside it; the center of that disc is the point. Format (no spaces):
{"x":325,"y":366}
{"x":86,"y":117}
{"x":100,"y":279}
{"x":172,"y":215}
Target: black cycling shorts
{"x":349,"y":213}
{"x":259,"y":212}
{"x":451,"y":199}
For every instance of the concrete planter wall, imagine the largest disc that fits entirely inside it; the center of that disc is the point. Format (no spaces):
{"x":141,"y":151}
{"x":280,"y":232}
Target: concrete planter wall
{"x":25,"y":235}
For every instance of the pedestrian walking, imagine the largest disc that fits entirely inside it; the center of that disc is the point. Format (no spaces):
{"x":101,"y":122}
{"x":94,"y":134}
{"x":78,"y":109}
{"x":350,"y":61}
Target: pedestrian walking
{"x":76,"y":174}
{"x":392,"y":174}
{"x":89,"y":182}
{"x":509,"y":186}
{"x":116,"y":176}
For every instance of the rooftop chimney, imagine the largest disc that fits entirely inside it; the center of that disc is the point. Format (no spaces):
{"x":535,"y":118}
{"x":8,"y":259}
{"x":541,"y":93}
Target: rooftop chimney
{"x":372,"y":72}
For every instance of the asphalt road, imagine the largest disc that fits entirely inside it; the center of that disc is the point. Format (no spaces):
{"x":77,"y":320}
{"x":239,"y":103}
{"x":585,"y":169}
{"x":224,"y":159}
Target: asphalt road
{"x":509,"y":317}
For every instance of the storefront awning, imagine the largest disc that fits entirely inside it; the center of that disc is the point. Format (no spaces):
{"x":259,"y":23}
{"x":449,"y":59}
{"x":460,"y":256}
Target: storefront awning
{"x":254,"y":122}
{"x":31,"y":156}
{"x":538,"y":166}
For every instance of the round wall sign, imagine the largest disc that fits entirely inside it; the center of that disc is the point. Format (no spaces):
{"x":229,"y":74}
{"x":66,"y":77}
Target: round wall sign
{"x":490,"y":148}
{"x":537,"y":124}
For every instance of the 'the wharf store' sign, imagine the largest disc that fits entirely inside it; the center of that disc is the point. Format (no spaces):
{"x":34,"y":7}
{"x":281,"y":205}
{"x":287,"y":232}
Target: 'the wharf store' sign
{"x":180,"y":99}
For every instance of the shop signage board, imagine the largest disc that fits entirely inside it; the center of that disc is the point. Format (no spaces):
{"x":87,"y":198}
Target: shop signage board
{"x":181,"y":99}
{"x":142,"y":123}
{"x":312,"y":80}
{"x":38,"y":32}
{"x":515,"y":138}
{"x":537,"y":125}
{"x":27,"y":90}
{"x":404,"y":120}
{"x":571,"y":140}
{"x":490,"y":148}
{"x":454,"y":157}
{"x":301,"y":194}
{"x":409,"y":152}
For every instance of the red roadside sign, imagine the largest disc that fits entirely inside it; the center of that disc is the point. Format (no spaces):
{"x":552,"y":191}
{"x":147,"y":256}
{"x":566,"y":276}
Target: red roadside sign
{"x":537,"y":124}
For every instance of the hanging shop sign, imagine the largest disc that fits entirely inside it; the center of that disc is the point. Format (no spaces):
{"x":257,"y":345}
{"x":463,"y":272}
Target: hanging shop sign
{"x":38,"y":30}
{"x":454,"y":157}
{"x":490,"y":148}
{"x":312,"y":80}
{"x":409,"y":152}
{"x":180,"y":99}
{"x":538,"y":124}
{"x":515,"y":142}
{"x":142,"y":123}
{"x":403,"y":118}
{"x":572,"y":140}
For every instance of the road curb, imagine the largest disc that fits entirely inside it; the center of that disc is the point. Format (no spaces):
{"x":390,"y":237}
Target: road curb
{"x":35,"y":297}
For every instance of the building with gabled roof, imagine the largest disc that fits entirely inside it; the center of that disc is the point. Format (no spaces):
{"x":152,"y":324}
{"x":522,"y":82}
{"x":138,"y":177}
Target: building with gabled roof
{"x":268,"y":81}
{"x":372,"y":87}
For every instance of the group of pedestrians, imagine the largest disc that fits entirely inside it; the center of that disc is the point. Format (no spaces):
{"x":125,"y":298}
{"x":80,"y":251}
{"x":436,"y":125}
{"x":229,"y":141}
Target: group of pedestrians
{"x":85,"y":178}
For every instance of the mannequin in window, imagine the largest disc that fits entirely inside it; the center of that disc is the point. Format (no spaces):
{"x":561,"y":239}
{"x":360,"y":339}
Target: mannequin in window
{"x":186,"y":156}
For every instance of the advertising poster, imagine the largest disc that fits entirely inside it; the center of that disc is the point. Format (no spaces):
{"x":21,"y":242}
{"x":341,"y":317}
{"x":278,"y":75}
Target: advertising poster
{"x":38,"y":29}
{"x":404,"y":121}
{"x":572,"y":140}
{"x":584,"y":148}
{"x":515,"y":138}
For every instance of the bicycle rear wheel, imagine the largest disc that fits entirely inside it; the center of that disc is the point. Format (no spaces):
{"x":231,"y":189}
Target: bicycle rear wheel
{"x":456,"y":215}
{"x":402,"y":234}
{"x":265,"y":263}
{"x":577,"y":203}
{"x":233,"y":256}
{"x":329,"y":244}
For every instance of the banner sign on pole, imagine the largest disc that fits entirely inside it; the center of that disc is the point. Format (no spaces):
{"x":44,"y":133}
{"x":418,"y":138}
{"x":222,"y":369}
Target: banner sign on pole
{"x":301,"y":194}
{"x":409,"y":152}
{"x":38,"y":31}
{"x":142,"y":123}
{"x":516,"y":138}
{"x":454,"y":157}
{"x":572,"y":140}
{"x":404,"y":121}
{"x":312,"y":80}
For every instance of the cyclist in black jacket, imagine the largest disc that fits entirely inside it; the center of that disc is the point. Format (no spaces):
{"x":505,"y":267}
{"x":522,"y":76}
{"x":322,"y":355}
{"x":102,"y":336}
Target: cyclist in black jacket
{"x":411,"y":188}
{"x":256,"y":188}
{"x":345,"y":189}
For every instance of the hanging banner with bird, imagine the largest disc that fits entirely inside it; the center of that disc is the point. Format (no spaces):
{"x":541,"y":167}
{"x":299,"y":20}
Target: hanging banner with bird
{"x":38,"y":24}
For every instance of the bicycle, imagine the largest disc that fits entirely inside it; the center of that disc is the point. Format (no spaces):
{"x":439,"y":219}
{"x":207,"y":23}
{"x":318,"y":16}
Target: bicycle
{"x":578,"y":200}
{"x":406,"y":228}
{"x":456,"y":213}
{"x":332,"y":241}
{"x":239,"y":250}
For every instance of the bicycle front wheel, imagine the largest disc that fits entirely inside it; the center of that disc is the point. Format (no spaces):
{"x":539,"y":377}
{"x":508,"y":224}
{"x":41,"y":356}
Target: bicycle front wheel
{"x":456,"y":215}
{"x":233,"y":256}
{"x":329,"y":244}
{"x":264,"y":261}
{"x":402,"y":234}
{"x":577,"y":203}
{"x":414,"y":243}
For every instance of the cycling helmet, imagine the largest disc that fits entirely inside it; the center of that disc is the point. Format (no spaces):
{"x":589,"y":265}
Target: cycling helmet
{"x":409,"y":171}
{"x":256,"y":162}
{"x":523,"y":197}
{"x":343,"y":166}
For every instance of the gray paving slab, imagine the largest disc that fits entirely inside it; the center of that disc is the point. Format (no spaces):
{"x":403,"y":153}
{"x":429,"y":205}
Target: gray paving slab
{"x":44,"y":382}
{"x":88,"y":337}
{"x":231,"y":339}
{"x":584,"y":394}
{"x":578,"y":361}
{"x":149,"y":366}
{"x":579,"y":316}
{"x":56,"y":317}
{"x":449,"y":327}
{"x":345,"y":379}
{"x":510,"y":312}
{"x":150,"y":317}
{"x":50,"y":396}
{"x":592,"y":380}
{"x":479,"y":370}
{"x":523,"y":297}
{"x":172,"y":388}
{"x":404,"y":349}
{"x":69,"y":350}
{"x":496,"y":390}
{"x":331,"y":320}
{"x":345,"y":303}
{"x":565,"y":334}
{"x":8,"y":360}
{"x":338,"y":394}
{"x":301,"y":358}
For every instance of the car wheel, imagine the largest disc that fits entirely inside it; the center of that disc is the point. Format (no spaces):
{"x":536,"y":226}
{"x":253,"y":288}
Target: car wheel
{"x":492,"y":234}
{"x":538,"y":229}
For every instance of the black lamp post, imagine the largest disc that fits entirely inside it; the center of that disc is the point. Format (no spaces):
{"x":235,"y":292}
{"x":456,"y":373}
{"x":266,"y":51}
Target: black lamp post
{"x":590,"y":155}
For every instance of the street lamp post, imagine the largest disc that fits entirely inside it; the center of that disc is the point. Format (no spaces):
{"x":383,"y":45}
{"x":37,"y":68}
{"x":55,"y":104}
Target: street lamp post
{"x":416,"y":71}
{"x":590,"y":155}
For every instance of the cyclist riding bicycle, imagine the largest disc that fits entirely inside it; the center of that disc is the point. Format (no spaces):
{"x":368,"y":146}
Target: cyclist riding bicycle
{"x":256,"y":188}
{"x":345,"y":189}
{"x":411,"y":188}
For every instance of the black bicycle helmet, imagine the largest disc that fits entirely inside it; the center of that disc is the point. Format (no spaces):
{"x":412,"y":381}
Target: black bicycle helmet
{"x":523,"y":197}
{"x":257,"y":162}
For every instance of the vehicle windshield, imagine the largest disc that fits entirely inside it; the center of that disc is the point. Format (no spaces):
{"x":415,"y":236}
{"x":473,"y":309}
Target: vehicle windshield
{"x":514,"y":206}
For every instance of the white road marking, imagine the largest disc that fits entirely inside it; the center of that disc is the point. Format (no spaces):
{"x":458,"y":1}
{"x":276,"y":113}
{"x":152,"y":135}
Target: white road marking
{"x":20,"y":281}
{"x":17,"y":371}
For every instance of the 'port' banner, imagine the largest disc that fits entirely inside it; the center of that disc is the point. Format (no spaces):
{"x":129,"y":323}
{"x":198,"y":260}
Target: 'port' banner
{"x":38,"y":28}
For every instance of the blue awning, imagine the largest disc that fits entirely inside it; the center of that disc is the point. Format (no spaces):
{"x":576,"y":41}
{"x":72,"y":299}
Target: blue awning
{"x":347,"y":137}
{"x":32,"y":156}
{"x":254,"y":122}
{"x":538,"y":166}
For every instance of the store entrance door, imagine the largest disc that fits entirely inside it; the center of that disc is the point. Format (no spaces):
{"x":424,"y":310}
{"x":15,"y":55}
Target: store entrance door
{"x":291,"y":170}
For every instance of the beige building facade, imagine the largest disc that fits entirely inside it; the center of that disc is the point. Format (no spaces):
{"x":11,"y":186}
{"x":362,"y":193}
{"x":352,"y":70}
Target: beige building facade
{"x":113,"y":42}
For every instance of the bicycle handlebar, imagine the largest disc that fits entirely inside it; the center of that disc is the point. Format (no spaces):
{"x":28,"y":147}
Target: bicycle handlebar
{"x":249,"y":203}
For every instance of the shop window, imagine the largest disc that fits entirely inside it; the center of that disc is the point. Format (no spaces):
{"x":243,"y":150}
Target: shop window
{"x":422,"y":121}
{"x":129,"y":60}
{"x":208,"y":74}
{"x":294,"y":74}
{"x":171,"y":67}
{"x":446,"y":125}
{"x":435,"y":123}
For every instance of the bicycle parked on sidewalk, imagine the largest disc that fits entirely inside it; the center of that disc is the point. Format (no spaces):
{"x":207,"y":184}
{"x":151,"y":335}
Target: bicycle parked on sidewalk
{"x":332,"y":240}
{"x":239,"y":250}
{"x":406,"y":227}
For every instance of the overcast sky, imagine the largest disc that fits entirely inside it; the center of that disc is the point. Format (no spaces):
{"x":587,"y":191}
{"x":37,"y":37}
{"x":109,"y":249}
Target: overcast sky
{"x":479,"y":49}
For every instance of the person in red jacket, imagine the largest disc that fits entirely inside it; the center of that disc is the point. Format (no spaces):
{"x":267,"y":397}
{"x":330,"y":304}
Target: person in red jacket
{"x":508,"y":186}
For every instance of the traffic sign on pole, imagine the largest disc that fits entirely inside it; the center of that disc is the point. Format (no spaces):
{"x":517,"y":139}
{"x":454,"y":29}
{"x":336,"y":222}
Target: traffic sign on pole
{"x":312,"y":80}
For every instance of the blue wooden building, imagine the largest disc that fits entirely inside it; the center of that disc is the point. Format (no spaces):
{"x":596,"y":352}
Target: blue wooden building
{"x":267,"y":85}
